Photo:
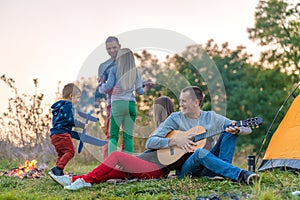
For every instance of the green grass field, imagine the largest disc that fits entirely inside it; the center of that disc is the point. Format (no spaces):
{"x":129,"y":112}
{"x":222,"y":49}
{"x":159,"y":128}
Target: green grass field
{"x":272,"y":185}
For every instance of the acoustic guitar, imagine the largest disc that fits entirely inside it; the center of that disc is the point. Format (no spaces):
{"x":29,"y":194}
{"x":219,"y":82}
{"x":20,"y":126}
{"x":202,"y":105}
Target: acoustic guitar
{"x":170,"y":156}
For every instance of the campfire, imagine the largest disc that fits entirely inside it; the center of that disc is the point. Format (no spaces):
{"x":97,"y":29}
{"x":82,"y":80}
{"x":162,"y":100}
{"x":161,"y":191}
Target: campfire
{"x":28,"y":170}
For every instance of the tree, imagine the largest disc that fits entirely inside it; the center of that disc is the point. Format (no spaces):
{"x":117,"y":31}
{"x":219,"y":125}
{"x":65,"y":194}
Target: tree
{"x":250,"y":89}
{"x":27,"y":122}
{"x":277,"y":28}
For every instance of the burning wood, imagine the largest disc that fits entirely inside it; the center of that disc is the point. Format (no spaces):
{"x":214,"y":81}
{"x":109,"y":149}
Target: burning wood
{"x":28,"y":170}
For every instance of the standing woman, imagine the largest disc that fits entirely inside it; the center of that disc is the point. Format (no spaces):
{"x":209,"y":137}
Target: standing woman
{"x":123,"y":79}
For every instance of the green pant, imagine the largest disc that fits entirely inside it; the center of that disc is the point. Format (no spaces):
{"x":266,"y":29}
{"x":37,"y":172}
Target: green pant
{"x":122,"y":113}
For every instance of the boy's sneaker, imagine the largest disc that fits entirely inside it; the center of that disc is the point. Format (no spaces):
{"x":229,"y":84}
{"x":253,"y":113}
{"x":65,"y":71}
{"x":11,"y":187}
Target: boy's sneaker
{"x":57,"y":172}
{"x":248,"y":177}
{"x":62,"y":180}
{"x":79,"y":183}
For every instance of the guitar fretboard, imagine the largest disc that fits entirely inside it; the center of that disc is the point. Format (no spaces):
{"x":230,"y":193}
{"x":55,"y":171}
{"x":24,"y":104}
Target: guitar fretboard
{"x":207,"y":134}
{"x":213,"y":132}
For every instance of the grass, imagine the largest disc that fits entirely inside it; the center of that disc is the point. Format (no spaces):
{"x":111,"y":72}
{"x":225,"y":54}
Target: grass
{"x":272,"y":185}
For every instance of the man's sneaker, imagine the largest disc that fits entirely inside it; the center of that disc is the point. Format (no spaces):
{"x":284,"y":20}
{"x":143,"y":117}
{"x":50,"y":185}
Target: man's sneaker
{"x":56,"y":171}
{"x":79,"y":183}
{"x":248,"y":177}
{"x":62,"y":180}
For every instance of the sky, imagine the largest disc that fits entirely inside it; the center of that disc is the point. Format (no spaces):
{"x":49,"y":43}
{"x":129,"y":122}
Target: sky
{"x":51,"y":40}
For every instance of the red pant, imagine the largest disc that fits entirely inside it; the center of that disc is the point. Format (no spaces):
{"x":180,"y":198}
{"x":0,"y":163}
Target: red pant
{"x":122,"y":165}
{"x":105,"y":147}
{"x":64,"y":148}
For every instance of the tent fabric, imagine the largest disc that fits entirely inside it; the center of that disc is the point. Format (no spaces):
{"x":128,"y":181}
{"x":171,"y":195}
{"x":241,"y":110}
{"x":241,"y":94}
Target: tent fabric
{"x":284,"y":148}
{"x":284,"y":164}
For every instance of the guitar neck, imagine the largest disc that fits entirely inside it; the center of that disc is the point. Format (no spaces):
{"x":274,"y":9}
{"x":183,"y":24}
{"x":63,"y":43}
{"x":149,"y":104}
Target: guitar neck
{"x":206,"y":135}
{"x":212,"y":132}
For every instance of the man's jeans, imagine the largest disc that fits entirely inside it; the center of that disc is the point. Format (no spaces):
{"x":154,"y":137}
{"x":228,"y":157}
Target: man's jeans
{"x":215,"y":162}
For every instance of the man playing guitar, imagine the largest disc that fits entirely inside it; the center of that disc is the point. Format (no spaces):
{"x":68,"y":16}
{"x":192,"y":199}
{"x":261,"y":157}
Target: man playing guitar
{"x":200,"y":161}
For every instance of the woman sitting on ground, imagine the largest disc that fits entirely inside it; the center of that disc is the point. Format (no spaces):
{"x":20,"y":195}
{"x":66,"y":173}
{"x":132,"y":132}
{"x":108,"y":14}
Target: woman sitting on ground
{"x":120,"y":165}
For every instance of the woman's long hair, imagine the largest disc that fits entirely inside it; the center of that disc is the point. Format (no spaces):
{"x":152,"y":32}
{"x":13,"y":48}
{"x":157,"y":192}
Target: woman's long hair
{"x":127,"y":72}
{"x":162,"y":108}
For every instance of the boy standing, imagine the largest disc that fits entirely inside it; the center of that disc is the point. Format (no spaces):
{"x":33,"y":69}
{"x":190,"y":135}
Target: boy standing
{"x":62,"y":123}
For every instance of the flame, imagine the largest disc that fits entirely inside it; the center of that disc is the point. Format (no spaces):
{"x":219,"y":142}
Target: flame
{"x":28,"y":169}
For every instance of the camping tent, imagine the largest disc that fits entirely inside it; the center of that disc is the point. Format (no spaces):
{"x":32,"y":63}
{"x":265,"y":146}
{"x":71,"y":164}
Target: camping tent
{"x":284,"y":148}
